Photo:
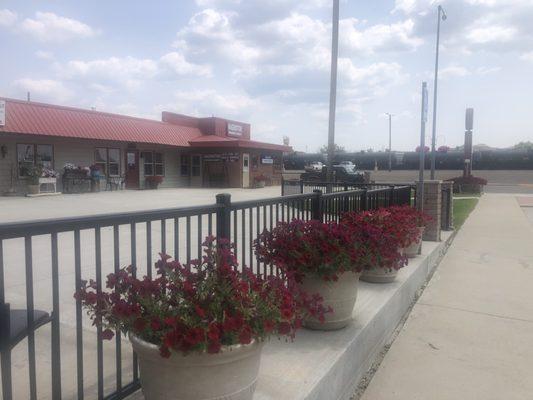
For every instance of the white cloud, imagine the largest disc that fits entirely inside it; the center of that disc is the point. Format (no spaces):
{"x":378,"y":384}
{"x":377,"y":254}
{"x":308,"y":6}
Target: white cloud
{"x":527,"y":56}
{"x":490,"y":34}
{"x":394,"y":37}
{"x":49,"y":27}
{"x":454,"y":71}
{"x":211,"y":102}
{"x":474,"y":25}
{"x":44,"y":55}
{"x":8,"y":18}
{"x":44,"y":89}
{"x":130,"y":72}
{"x":176,"y":64}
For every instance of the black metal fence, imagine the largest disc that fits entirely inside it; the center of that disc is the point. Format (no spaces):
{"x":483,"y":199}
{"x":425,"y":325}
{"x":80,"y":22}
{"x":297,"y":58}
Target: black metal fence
{"x":42,"y":263}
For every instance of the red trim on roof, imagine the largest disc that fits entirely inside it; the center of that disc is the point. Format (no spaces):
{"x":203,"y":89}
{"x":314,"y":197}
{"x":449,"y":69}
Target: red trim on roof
{"x":218,"y":141}
{"x":50,"y":120}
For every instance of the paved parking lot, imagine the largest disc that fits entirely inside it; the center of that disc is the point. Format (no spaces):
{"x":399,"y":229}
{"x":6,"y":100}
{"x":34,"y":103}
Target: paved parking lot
{"x":24,"y":208}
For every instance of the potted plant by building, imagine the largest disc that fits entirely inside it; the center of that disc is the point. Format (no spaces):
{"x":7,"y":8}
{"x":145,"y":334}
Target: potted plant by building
{"x":319,"y":258}
{"x":410,"y":225}
{"x":153,"y":181}
{"x":96,"y":177}
{"x":380,"y":241}
{"x":197,"y":329}
{"x":260,"y":181}
{"x":34,"y":173}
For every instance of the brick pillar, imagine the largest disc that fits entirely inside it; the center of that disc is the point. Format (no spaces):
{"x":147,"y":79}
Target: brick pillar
{"x":433,"y":207}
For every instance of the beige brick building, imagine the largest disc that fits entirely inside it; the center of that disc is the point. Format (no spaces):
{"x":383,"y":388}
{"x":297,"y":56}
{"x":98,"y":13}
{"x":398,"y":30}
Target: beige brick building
{"x":183,"y":151}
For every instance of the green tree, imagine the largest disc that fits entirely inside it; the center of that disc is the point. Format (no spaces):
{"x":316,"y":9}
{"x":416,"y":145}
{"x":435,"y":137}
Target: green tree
{"x":523,"y":146}
{"x":337,"y":149}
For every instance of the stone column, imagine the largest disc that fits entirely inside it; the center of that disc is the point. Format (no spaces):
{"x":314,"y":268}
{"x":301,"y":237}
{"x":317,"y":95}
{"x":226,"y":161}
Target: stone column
{"x":433,"y":207}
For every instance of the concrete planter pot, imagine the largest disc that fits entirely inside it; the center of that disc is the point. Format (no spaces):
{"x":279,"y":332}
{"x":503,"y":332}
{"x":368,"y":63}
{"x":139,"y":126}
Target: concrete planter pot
{"x":340,"y":295}
{"x":231,"y":374}
{"x":33,"y":189}
{"x":412,"y":250}
{"x":260,"y":184}
{"x":379,"y":275}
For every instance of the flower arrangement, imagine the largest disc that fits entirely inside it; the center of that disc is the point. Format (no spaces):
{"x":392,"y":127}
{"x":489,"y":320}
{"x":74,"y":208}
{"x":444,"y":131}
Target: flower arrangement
{"x":261,"y":178}
{"x":200,"y":307}
{"x":49,"y":173}
{"x":406,"y":221}
{"x":71,"y":169}
{"x":379,"y":237}
{"x":153,"y":181}
{"x":301,"y":247}
{"x":34,"y":172}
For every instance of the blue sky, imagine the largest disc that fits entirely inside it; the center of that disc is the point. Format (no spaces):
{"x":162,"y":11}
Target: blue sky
{"x":267,"y":63}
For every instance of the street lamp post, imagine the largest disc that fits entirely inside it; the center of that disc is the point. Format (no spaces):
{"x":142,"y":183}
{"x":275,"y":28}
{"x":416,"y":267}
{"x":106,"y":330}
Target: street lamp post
{"x":333,"y":89}
{"x":441,"y":16}
{"x":390,"y":140}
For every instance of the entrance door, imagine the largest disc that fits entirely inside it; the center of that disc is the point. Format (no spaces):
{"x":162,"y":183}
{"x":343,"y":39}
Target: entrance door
{"x":245,"y":170}
{"x":196,"y":170}
{"x":132,"y":169}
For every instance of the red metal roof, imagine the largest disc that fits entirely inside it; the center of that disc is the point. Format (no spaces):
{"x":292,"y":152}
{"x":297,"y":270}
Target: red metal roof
{"x":45,"y":119}
{"x":219,"y":141}
{"x":33,"y":118}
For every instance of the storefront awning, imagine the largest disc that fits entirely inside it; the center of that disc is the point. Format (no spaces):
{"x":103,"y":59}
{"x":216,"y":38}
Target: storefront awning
{"x":219,"y":141}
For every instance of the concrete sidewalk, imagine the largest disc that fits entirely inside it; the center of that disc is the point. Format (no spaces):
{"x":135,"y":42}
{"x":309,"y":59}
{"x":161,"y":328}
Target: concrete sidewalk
{"x":470,"y":335}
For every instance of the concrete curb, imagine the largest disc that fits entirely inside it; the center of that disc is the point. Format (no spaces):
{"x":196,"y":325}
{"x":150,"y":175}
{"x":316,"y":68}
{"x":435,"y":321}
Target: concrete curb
{"x":329,"y":365}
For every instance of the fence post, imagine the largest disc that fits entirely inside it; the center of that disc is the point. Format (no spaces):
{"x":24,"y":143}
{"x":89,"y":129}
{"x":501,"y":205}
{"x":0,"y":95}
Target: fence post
{"x":364,"y":200}
{"x":391,"y":196}
{"x":316,"y":206}
{"x":224,"y":216}
{"x":282,"y":186}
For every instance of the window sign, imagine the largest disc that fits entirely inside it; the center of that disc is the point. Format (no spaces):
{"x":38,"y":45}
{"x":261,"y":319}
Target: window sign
{"x":267,"y":160}
{"x":230,"y":157}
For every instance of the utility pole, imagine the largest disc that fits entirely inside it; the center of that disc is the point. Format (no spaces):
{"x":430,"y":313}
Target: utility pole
{"x":390,"y":140}
{"x":422,"y":155}
{"x":441,"y":16}
{"x":333,"y":89}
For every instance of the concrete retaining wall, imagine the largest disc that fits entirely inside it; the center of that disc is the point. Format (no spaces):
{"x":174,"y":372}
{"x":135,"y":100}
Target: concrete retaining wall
{"x":329,"y":365}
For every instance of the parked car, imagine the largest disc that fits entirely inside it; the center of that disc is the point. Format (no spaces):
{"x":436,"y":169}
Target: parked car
{"x":314,"y":166}
{"x":346,"y":172}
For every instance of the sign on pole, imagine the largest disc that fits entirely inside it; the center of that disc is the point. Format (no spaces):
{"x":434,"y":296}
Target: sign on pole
{"x":2,"y":112}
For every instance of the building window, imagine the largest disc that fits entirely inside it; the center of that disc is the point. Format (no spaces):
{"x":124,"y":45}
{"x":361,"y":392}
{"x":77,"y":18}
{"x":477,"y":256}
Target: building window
{"x":185,"y":165}
{"x":29,"y":155}
{"x":195,"y":165}
{"x":107,"y":160}
{"x":153,"y":163}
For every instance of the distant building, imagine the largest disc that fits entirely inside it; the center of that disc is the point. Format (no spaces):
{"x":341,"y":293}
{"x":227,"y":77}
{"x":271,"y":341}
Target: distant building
{"x":185,"y":151}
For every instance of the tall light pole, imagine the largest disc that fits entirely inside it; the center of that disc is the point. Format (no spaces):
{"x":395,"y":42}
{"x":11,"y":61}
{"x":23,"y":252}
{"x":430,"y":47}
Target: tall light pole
{"x":390,"y":140}
{"x":441,"y":17}
{"x":333,"y":89}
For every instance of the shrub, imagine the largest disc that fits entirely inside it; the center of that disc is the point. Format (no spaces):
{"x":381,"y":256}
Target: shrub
{"x":468,"y":180}
{"x":301,"y":247}
{"x":198,"y":307}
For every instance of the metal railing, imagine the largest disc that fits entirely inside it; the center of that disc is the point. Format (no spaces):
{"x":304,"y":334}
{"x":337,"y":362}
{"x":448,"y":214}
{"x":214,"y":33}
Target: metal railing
{"x":61,"y":253}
